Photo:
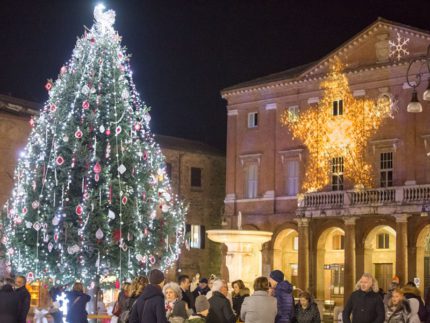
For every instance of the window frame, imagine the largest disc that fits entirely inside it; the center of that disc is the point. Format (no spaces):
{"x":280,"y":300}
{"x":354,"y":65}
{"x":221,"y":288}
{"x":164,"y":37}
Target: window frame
{"x":252,"y":120}
{"x":192,"y":182}
{"x":337,"y":173}
{"x":385,"y":172}
{"x":337,"y":106}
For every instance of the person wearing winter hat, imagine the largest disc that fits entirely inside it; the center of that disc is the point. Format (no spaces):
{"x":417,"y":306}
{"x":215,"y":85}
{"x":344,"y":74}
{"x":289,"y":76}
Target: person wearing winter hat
{"x":202,"y":308}
{"x":283,"y":291}
{"x":149,"y":307}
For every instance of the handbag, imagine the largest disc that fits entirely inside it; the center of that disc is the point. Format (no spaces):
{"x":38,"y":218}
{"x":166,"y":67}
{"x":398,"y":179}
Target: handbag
{"x":117,"y":309}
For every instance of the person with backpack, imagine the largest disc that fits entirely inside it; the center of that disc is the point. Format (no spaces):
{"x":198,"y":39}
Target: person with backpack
{"x":76,"y":312}
{"x":149,"y":307}
{"x":135,"y":289}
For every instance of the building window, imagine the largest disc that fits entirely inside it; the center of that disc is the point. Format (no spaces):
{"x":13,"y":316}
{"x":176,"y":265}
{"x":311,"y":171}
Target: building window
{"x":386,"y":169}
{"x":292,"y":182}
{"x":196,"y":236}
{"x":296,"y":243}
{"x":251,"y":181}
{"x":253,"y":120}
{"x":337,"y":271}
{"x":383,"y":241}
{"x":338,"y":242}
{"x":337,"y":170}
{"x":169,"y":170}
{"x":338,"y":107}
{"x":293,"y":113}
{"x":196,"y":177}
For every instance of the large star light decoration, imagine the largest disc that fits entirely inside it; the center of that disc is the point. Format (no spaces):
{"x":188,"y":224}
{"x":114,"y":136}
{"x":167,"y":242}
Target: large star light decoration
{"x":328,"y":136}
{"x":104,"y":20}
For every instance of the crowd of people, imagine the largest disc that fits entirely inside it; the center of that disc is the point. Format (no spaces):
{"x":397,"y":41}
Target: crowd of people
{"x":153,"y":300}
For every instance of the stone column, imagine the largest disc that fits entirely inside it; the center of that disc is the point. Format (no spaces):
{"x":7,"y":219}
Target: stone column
{"x":349,"y":261}
{"x":401,"y":247}
{"x":303,"y":256}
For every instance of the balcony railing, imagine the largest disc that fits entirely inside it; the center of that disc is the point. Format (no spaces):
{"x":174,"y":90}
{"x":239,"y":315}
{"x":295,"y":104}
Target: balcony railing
{"x":400,"y":195}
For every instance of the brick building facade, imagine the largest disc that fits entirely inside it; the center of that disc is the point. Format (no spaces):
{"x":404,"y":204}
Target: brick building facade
{"x":325,"y":239}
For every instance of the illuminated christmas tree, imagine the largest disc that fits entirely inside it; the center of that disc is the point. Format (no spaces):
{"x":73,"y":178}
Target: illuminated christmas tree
{"x":91,"y":193}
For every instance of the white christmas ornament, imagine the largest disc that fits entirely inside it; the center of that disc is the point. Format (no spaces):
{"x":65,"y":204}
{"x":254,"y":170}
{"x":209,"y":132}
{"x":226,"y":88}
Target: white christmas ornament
{"x":111,"y":214}
{"x":125,"y":95}
{"x":85,"y":89}
{"x":99,"y":234}
{"x":28,"y":224}
{"x":55,"y":220}
{"x":102,"y":129}
{"x":50,"y":246}
{"x":122,"y":169}
{"x":165,"y":208}
{"x":36,"y":226}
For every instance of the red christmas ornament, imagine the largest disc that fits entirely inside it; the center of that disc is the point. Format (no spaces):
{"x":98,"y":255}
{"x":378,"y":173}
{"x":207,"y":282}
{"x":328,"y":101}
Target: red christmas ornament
{"x":48,"y":86}
{"x":116,"y":234}
{"x":32,"y":122}
{"x":78,"y":134}
{"x":97,"y":168}
{"x":85,"y":105}
{"x":137,"y":126}
{"x":107,"y":132}
{"x":63,"y":70}
{"x":59,"y":160}
{"x":117,"y":284}
{"x":145,"y":156}
{"x":79,"y":210}
{"x":96,"y":177}
{"x":118,"y":130}
{"x":56,"y":237}
{"x":152,"y":259}
{"x":92,"y":40}
{"x":124,"y":200}
{"x":24,"y":210}
{"x":52,"y":107}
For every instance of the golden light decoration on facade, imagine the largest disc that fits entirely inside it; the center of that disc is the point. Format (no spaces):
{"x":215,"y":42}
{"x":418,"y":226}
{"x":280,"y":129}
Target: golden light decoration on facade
{"x":340,"y":125}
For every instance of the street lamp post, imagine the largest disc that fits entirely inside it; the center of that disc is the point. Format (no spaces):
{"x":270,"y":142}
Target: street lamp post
{"x":415,"y":106}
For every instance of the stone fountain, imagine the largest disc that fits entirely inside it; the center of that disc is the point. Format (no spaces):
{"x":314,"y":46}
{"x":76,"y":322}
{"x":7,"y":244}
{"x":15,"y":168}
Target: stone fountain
{"x":243,"y":258}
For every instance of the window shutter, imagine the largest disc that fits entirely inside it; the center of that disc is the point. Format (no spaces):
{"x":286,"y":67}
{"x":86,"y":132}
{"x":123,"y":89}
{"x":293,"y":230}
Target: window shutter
{"x":202,"y":236}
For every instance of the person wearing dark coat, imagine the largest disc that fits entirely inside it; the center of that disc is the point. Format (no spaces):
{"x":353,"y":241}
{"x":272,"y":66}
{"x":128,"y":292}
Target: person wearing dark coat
{"x":149,"y":307}
{"x":202,"y":289}
{"x":283,"y":291}
{"x":185,"y":283}
{"x":76,"y":309}
{"x":306,"y":310}
{"x":220,"y":310}
{"x":24,"y":298}
{"x":365,"y":304}
{"x":9,"y":305}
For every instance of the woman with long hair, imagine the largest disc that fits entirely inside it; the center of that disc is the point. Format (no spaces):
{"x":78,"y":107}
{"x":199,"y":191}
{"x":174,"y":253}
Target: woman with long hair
{"x":134,"y":291}
{"x":398,"y":309}
{"x":238,"y":295}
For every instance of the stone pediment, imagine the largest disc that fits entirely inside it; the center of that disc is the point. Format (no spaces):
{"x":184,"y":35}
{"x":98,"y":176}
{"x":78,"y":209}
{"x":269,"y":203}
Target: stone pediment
{"x":383,"y":43}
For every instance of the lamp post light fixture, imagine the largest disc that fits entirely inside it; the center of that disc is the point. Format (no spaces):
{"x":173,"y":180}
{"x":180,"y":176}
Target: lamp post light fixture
{"x":415,"y":106}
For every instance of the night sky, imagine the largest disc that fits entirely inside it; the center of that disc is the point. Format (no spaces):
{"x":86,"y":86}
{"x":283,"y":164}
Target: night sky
{"x":186,"y":51}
